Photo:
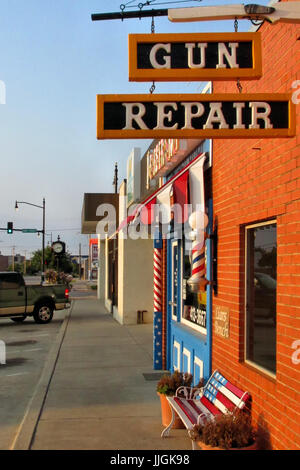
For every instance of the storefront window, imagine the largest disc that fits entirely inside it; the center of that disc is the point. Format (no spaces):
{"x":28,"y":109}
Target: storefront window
{"x":194,"y":304}
{"x":261,"y":285}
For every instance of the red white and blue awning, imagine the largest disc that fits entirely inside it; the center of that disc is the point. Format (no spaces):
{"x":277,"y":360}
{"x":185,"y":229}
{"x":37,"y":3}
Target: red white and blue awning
{"x":185,"y":187}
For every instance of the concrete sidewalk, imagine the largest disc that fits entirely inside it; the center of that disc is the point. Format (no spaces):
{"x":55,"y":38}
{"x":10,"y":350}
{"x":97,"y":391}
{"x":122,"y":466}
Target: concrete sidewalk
{"x":93,"y":394}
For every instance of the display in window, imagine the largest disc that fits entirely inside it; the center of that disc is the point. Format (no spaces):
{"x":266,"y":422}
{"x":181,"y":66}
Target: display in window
{"x":198,"y":222}
{"x":194,"y":303}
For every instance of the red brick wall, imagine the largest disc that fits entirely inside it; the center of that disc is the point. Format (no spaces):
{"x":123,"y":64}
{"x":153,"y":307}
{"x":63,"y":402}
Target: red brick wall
{"x":254,"y":180}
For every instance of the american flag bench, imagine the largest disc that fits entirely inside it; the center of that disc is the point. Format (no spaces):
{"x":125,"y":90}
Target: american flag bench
{"x":194,"y":406}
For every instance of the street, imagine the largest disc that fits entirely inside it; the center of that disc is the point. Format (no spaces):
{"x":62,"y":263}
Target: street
{"x":27,"y":346}
{"x":150,"y":193}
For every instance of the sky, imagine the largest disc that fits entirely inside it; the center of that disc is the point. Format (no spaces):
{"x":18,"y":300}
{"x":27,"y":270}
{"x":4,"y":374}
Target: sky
{"x":54,"y":61}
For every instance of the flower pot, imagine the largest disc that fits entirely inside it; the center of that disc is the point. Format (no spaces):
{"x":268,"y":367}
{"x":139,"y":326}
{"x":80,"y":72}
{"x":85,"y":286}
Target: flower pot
{"x":203,"y":446}
{"x":166,"y":413}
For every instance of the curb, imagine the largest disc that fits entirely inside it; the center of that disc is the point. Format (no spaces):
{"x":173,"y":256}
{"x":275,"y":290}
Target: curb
{"x":26,"y":431}
{"x":89,"y":297}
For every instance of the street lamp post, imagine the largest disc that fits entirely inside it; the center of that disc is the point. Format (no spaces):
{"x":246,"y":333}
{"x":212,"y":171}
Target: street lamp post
{"x":43,"y":231}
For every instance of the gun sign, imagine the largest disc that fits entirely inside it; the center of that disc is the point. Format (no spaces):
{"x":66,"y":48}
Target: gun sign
{"x":195,"y":116}
{"x":184,"y":57}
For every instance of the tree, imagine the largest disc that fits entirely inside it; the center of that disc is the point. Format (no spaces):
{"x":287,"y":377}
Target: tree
{"x":63,"y":263}
{"x":18,"y":267}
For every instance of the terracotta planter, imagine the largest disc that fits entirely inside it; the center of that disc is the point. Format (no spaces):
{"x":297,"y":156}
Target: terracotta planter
{"x":203,"y":446}
{"x":166,"y":413}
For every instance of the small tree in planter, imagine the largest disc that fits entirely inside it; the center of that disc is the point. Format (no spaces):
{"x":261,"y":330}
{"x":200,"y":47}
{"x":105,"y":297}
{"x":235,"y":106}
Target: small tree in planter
{"x":226,"y":432}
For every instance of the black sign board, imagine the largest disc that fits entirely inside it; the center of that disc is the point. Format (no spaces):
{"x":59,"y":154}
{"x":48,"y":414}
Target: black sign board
{"x":195,"y":116}
{"x":184,"y":57}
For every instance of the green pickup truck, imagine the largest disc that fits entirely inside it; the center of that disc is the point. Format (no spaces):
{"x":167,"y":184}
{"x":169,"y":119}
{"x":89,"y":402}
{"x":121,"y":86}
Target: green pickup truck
{"x":18,"y":300}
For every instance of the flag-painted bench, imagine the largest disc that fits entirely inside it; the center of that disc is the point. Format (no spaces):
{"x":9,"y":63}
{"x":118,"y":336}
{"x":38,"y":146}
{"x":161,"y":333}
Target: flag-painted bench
{"x":194,"y":406}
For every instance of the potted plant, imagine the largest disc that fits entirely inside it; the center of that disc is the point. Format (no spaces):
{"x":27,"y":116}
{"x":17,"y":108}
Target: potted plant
{"x":66,"y":279}
{"x":51,"y":276}
{"x":232,"y":431}
{"x":168,"y":385}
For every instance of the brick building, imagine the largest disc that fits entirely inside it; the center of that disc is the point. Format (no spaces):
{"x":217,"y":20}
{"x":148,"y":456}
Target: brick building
{"x":4,"y":262}
{"x":256,"y":203}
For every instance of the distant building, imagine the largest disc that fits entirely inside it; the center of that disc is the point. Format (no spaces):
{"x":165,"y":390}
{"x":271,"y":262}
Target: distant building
{"x":19,"y":259}
{"x":3,"y":262}
{"x":7,"y":261}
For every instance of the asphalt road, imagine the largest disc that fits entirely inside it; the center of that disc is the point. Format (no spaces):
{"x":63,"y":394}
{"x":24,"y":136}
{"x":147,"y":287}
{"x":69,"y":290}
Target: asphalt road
{"x":27,"y":346}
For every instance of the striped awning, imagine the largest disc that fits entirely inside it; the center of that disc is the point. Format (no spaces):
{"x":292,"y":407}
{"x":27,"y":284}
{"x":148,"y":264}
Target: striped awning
{"x":185,"y":187}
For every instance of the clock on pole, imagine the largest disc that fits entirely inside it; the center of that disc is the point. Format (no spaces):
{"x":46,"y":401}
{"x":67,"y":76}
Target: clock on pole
{"x":59,"y":247}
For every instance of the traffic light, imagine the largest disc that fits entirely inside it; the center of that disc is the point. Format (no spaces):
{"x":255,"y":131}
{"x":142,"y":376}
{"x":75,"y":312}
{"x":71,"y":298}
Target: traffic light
{"x":10,"y":227}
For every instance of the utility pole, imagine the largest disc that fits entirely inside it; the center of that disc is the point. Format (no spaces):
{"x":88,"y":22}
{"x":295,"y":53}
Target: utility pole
{"x":115,"y":181}
{"x":25,"y":263}
{"x":43,"y":231}
{"x":43,"y":248}
{"x":57,"y":258}
{"x":13,"y":258}
{"x":114,"y":261}
{"x":80,"y":261}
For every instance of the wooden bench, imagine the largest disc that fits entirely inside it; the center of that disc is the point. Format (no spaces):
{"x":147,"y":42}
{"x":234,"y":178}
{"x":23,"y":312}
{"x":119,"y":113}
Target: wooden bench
{"x":194,"y":406}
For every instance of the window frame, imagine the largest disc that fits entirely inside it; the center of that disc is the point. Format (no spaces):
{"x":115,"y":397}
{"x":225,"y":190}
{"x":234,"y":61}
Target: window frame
{"x":247,"y":361}
{"x":174,"y":244}
{"x":190,"y":324}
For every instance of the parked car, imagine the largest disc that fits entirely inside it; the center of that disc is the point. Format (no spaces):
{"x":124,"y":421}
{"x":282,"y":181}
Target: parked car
{"x":265,"y":295}
{"x":18,"y":301}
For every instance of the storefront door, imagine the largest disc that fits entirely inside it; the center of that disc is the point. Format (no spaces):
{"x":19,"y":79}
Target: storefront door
{"x":189,"y":313}
{"x":175,"y":281}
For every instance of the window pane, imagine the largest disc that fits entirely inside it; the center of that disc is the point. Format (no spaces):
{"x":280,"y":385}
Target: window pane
{"x":261,"y":295}
{"x":194,"y":304}
{"x":10,"y":281}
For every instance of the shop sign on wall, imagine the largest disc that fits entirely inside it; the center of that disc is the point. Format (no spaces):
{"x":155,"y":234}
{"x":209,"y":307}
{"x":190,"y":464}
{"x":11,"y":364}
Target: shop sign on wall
{"x":163,"y":155}
{"x":94,"y":251}
{"x":133,"y":176}
{"x":166,"y":155}
{"x":203,"y":116}
{"x":222,"y":321}
{"x":196,"y":56}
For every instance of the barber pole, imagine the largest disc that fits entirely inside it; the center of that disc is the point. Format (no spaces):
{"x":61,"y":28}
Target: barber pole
{"x":197,"y":281}
{"x":157,"y":299}
{"x":198,"y":265}
{"x":157,"y":280}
